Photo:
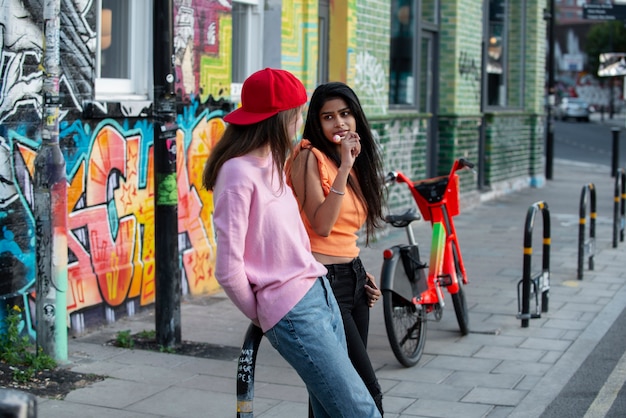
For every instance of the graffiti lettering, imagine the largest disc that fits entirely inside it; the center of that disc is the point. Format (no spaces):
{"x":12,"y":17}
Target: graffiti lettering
{"x":470,"y":71}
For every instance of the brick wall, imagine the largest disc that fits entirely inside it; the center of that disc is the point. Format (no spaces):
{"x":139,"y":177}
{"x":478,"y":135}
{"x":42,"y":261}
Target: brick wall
{"x":460,"y":56}
{"x":514,"y":141}
{"x":509,"y":145}
{"x":458,"y":137}
{"x":371,"y":81}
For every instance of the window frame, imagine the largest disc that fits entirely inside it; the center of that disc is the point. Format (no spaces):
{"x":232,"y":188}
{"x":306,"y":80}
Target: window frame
{"x":252,"y":59}
{"x":512,"y":79}
{"x":138,"y":86}
{"x":423,"y":28}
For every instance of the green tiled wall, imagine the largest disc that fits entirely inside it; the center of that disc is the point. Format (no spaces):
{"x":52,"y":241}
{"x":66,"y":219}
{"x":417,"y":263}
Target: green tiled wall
{"x":458,"y":137}
{"x":402,"y":139}
{"x":514,"y":136}
{"x":509,"y":142}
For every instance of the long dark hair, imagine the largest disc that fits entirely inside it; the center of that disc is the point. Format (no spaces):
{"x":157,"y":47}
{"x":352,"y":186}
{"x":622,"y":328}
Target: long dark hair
{"x":239,"y":140}
{"x":368,"y":165}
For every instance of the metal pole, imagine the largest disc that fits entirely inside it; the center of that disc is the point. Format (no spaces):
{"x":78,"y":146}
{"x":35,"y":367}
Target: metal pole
{"x":549,"y":149}
{"x":582,"y":220}
{"x":615,"y":151}
{"x":167,"y":279}
{"x":551,"y":92}
{"x":622,"y":204}
{"x":616,"y":208}
{"x":545,"y":265}
{"x":592,"y":226}
{"x":50,"y":204}
{"x":245,"y":371}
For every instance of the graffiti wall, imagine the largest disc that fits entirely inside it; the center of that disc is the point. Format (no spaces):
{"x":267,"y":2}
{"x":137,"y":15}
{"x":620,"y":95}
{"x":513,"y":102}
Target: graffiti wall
{"x":109,"y":163}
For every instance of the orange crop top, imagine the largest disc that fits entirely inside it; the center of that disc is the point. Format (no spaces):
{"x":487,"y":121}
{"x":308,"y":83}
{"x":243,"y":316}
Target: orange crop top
{"x":341,"y":242}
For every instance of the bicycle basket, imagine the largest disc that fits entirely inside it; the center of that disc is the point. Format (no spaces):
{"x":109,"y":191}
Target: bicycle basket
{"x":434,"y":191}
{"x":414,"y":268}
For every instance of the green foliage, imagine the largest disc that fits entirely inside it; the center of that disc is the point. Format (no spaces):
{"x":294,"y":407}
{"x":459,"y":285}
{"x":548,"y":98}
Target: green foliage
{"x":145,"y":339}
{"x":18,"y":351}
{"x":124,"y":339}
{"x":147,"y":334}
{"x":609,"y":36}
{"x":164,"y":349}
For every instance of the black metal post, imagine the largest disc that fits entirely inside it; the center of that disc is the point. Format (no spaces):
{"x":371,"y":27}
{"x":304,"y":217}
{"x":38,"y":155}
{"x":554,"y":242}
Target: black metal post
{"x":622,"y":217}
{"x":245,"y":371}
{"x":549,"y":150}
{"x":618,"y":196}
{"x":615,"y":151}
{"x":167,"y":271}
{"x":544,"y":277}
{"x":540,"y":283}
{"x":525,"y":314}
{"x":588,"y":193}
{"x":549,"y":129}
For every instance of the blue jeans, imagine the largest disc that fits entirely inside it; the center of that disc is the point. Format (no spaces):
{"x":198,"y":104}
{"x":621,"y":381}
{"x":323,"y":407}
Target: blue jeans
{"x":311,"y":338}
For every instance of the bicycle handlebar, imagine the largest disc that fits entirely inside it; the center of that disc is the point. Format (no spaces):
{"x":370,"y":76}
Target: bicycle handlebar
{"x":390,"y":178}
{"x":394,"y":176}
{"x":465,"y":163}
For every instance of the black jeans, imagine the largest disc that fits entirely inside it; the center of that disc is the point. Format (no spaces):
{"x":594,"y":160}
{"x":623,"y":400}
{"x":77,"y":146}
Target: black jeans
{"x":348,"y":284}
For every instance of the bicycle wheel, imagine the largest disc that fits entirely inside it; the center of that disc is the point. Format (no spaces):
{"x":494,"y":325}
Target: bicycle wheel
{"x":406,"y":328}
{"x":458,"y":298}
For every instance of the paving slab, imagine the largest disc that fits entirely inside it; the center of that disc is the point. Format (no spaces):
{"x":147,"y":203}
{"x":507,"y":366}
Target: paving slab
{"x":500,"y":369}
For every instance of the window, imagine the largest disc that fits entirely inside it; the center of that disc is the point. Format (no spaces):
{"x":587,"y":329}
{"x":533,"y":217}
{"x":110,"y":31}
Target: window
{"x":124,"y":50}
{"x":322,"y":46}
{"x":402,"y":71}
{"x":246,"y":41}
{"x":505,"y":53}
{"x":495,"y":53}
{"x":414,"y":26}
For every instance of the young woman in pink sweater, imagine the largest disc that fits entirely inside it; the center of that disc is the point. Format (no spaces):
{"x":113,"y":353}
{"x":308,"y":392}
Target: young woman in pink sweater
{"x":264,"y":261}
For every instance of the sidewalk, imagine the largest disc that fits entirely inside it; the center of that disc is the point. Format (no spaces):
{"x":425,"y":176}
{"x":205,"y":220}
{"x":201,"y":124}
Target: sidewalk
{"x":499,"y":370}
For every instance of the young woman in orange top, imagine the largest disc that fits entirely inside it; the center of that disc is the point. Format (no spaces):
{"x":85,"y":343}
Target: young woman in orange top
{"x":336,"y":175}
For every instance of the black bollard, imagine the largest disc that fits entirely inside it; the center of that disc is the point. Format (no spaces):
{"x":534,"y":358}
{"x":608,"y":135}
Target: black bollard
{"x":615,"y":152}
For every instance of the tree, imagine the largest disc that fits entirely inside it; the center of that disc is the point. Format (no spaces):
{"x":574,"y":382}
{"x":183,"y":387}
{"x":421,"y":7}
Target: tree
{"x":609,"y":36}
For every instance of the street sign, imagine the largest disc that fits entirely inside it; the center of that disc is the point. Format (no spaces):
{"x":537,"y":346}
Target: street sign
{"x":604,"y":12}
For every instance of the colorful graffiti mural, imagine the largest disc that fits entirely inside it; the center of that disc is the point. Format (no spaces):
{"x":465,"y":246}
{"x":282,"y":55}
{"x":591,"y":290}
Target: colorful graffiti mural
{"x":203,"y":63}
{"x":111,"y":210}
{"x":108,"y":149}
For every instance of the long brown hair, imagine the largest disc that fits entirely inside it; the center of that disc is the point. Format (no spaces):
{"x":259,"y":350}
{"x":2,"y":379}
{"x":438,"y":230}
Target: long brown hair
{"x":239,"y":140}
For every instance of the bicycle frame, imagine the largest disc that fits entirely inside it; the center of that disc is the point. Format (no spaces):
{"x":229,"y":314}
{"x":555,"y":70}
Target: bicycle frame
{"x":440,"y":212}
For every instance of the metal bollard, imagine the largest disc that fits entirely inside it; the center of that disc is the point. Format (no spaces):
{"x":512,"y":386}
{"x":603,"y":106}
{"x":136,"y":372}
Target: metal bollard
{"x":245,"y":371}
{"x":587,"y":246}
{"x":541,"y":282}
{"x":619,"y":197}
{"x":17,"y":404}
{"x":615,"y":152}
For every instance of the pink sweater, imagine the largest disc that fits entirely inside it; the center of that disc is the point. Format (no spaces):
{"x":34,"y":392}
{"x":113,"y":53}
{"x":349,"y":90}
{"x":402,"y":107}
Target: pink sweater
{"x":264,"y":261}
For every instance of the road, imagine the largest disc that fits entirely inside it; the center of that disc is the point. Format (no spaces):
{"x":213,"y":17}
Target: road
{"x":588,"y":142}
{"x":597,"y":389}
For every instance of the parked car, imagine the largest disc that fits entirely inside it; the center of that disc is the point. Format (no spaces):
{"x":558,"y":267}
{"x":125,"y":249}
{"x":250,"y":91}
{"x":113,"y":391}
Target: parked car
{"x":573,"y":107}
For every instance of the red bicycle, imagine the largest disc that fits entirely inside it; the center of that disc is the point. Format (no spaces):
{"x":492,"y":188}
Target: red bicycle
{"x":410,"y":296}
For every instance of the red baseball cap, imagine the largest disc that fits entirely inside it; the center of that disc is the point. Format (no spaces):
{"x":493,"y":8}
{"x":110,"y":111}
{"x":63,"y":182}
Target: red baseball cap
{"x":264,"y":94}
